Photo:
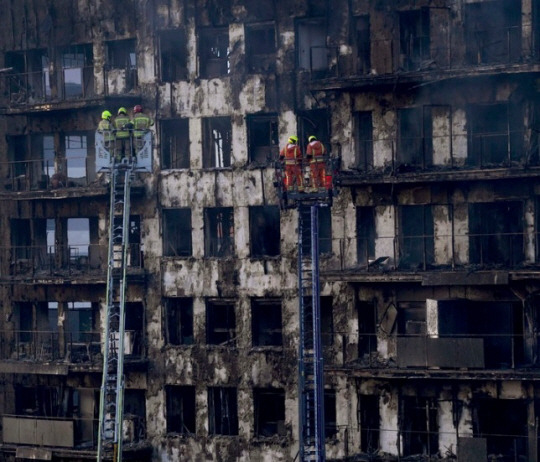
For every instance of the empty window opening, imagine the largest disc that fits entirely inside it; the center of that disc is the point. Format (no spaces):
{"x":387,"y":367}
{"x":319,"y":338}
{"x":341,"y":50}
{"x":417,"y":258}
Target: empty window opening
{"x":134,"y":425}
{"x":496,"y":233}
{"x":217,"y":142}
{"x":365,"y":235}
{"x":315,"y":122}
{"x":330,"y":414}
{"x":220,"y":323}
{"x":77,"y":71}
{"x":46,"y":401}
{"x":416,"y":240}
{"x":370,"y":422}
{"x":263,"y":139}
{"x":362,"y":44}
{"x":29,"y":79}
{"x":78,"y":236}
{"x":219,"y":232}
{"x":414,"y":39}
{"x":326,"y":320}
{"x":266,"y":322}
{"x":367,"y":328}
{"x":312,"y":50}
{"x":503,"y":422}
{"x":134,"y":340}
{"x":177,"y":232}
{"x":261,"y":47}
{"x":21,"y":237}
{"x":415,"y":138}
{"x":76,"y":147}
{"x":264,"y":229}
{"x":48,"y":155}
{"x":79,"y":321}
{"x":269,"y":411}
{"x":419,"y":425}
{"x":121,"y":54}
{"x":363,"y":122}
{"x":180,"y":409}
{"x":175,"y":143}
{"x":222,"y":411}
{"x":495,"y":135}
{"x":173,"y":55}
{"x":214,"y":52}
{"x":492,"y":32}
{"x":179,"y":321}
{"x":411,"y":318}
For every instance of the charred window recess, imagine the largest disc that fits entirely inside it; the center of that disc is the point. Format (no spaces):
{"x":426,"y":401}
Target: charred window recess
{"x":414,"y":39}
{"x":77,"y":76}
{"x":266,"y":323}
{"x":180,"y":409}
{"x":263,"y":139}
{"x":30,"y":319}
{"x":503,"y":423}
{"x":177,"y":232}
{"x":365,"y":235}
{"x":369,"y":419}
{"x":220,"y":323}
{"x":264,"y":231}
{"x":121,"y":55}
{"x":222,"y":411}
{"x":173,"y":55}
{"x":492,"y":32}
{"x":411,"y":318}
{"x":29,"y":78}
{"x":330,"y":417}
{"x":495,"y":135}
{"x":496,"y":233}
{"x":135,"y":254}
{"x":416,"y":250}
{"x":21,"y":238}
{"x":80,"y":321}
{"x":179,"y":321}
{"x":219,"y":231}
{"x":175,"y":143}
{"x":269,"y":411}
{"x":325,"y":233}
{"x":134,"y":426}
{"x":217,"y":133}
{"x":261,"y":47}
{"x":327,"y":321}
{"x":362,"y":44}
{"x":363,"y":122}
{"x":46,"y":401}
{"x":419,"y":426}
{"x":134,"y":340}
{"x":313,"y":54}
{"x":367,"y":328}
{"x":214,"y":52}
{"x":315,"y":122}
{"x":415,"y":143}
{"x":78,"y":238}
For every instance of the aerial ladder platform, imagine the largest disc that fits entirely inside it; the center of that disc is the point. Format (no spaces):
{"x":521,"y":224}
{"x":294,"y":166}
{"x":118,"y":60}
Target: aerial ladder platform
{"x":120,"y":173}
{"x":308,"y":200}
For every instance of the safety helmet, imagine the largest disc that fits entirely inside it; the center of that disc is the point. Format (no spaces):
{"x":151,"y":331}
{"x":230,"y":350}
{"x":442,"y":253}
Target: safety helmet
{"x":106,"y":115}
{"x":312,"y":138}
{"x":293,"y":139}
{"x":137,"y":108}
{"x":122,"y":110}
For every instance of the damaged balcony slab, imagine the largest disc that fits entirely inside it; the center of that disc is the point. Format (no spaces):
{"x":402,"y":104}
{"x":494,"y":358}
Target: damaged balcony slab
{"x":20,"y":367}
{"x":453,"y":278}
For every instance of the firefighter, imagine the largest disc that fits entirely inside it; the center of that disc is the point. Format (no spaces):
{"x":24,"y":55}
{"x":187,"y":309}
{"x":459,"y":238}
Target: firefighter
{"x":141,"y":124}
{"x":105,"y":126}
{"x":291,"y":156}
{"x":316,"y":153}
{"x":122,"y":124}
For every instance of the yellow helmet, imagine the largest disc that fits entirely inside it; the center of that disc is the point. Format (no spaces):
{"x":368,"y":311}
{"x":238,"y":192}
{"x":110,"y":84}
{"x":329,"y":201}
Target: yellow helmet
{"x":106,"y":115}
{"x":122,"y":110}
{"x":312,"y":138}
{"x":293,"y":139}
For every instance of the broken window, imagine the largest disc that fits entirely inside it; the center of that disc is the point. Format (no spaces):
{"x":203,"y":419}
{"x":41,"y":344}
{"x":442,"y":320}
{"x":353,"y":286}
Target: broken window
{"x":261,"y":47}
{"x":76,"y":63}
{"x":29,"y":78}
{"x":134,"y":341}
{"x":495,"y":135}
{"x":411,"y":318}
{"x":173,"y":55}
{"x":492,"y":32}
{"x":222,"y":411}
{"x":121,"y":55}
{"x":415,"y":138}
{"x":269,"y":411}
{"x":219,"y":231}
{"x":414,"y":41}
{"x":370,"y":422}
{"x":416,"y":250}
{"x":496,"y":233}
{"x":79,"y":321}
{"x":175,"y":143}
{"x":21,"y":238}
{"x":365,"y":234}
{"x":419,"y":425}
{"x":266,"y":323}
{"x":325,"y":230}
{"x":503,"y":423}
{"x":220,"y":323}
{"x":217,"y":133}
{"x":180,"y":409}
{"x":367,"y":328}
{"x":179,"y":320}
{"x":330,"y":415}
{"x":263,"y":142}
{"x":214,"y":52}
{"x":362,"y":44}
{"x":264,"y":230}
{"x":177,"y":232}
{"x":312,"y":50}
{"x":363,"y":123}
{"x":77,"y":155}
{"x":78,"y":237}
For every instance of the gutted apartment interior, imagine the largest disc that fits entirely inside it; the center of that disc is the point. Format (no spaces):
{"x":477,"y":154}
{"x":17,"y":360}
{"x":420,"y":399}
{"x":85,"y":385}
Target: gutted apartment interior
{"x":430,"y":253}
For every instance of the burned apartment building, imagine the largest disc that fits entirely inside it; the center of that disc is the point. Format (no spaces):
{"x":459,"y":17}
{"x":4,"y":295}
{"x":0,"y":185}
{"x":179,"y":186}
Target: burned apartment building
{"x":430,"y":253}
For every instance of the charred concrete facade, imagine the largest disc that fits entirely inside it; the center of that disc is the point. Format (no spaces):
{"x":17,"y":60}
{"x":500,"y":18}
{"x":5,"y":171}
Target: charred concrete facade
{"x":429,"y":256}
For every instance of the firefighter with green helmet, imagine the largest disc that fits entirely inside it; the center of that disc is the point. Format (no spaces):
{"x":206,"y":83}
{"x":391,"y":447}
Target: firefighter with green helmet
{"x":122,"y":125}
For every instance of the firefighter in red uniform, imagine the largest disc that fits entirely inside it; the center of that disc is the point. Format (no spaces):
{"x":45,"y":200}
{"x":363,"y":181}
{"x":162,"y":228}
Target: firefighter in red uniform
{"x":316,"y":153}
{"x":291,"y":155}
